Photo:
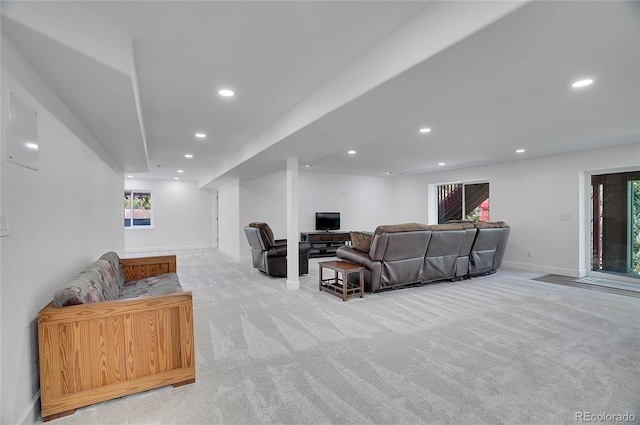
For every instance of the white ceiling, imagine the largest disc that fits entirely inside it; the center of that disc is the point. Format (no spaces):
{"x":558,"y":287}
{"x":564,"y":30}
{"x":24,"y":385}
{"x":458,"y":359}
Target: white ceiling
{"x":314,"y":79}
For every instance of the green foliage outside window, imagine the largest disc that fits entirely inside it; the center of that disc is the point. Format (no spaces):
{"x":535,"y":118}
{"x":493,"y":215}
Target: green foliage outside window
{"x":137,"y":209}
{"x":140,"y":201}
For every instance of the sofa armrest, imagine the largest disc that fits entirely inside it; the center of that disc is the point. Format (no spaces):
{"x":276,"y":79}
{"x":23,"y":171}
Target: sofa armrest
{"x":50,"y":315}
{"x":139,"y":268}
{"x":304,"y":247}
{"x":277,"y":251}
{"x":281,"y":250}
{"x":354,"y":256}
{"x":373,"y":269}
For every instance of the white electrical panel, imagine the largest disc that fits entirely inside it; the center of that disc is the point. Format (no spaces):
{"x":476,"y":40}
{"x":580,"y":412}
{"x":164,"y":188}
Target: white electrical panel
{"x":22,"y":134}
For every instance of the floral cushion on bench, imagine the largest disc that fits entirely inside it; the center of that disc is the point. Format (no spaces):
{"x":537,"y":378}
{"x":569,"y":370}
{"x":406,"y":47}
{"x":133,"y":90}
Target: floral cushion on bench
{"x":104,"y":280}
{"x":109,"y":281}
{"x":167,"y":283}
{"x":116,"y":267}
{"x":94,"y":284}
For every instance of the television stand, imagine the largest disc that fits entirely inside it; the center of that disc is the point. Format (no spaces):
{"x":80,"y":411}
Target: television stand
{"x":325,"y":244}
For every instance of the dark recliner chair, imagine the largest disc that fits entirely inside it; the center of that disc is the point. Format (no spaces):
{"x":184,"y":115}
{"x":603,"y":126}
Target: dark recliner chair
{"x":270,"y":255}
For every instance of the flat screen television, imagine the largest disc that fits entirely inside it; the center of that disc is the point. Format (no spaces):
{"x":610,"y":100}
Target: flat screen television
{"x":327,"y":221}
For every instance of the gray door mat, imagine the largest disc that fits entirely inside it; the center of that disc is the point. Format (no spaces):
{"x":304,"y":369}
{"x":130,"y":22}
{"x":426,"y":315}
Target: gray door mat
{"x":593,"y":284}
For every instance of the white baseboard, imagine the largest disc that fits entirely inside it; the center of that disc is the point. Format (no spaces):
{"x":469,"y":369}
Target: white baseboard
{"x":538,"y":268}
{"x":229,"y":254}
{"x":31,"y":413}
{"x":245,"y":259}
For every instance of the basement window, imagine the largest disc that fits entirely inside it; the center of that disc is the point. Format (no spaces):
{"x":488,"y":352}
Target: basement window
{"x":137,"y":209}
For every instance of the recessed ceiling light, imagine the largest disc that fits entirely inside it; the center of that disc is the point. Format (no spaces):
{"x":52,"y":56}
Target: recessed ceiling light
{"x":181,"y":171}
{"x":226,"y":92}
{"x":425,"y":130}
{"x":389,"y":173}
{"x":188,"y":155}
{"x":520,"y":151}
{"x":308,"y":165}
{"x":582,"y":83}
{"x":201,"y":135}
{"x":130,"y":177}
{"x":31,"y":145}
{"x":441,"y":163}
{"x":351,"y":152}
{"x":176,"y":178}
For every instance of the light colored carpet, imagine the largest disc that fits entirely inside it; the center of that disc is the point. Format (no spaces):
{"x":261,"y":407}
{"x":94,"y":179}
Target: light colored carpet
{"x":501,"y":349}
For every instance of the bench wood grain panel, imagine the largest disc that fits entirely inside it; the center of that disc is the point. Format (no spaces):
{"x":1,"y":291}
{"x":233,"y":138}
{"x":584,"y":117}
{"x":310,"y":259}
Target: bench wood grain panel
{"x":92,"y":352}
{"x":140,"y":268}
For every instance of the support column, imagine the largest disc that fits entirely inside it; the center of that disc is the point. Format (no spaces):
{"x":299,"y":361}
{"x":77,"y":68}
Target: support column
{"x":293,"y":235}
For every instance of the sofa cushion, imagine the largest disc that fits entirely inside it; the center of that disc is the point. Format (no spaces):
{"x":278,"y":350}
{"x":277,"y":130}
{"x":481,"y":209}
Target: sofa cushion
{"x":490,"y":225}
{"x":116,"y":266}
{"x":87,"y":287}
{"x":404,"y":227}
{"x":361,"y":240}
{"x":167,"y":283}
{"x":266,"y":228}
{"x":447,"y":226}
{"x":111,"y":287}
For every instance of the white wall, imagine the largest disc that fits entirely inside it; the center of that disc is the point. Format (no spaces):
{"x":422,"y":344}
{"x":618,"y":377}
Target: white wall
{"x":363,"y":202}
{"x":182,"y":216}
{"x":265,"y":200}
{"x":61,"y":218}
{"x":531,"y":195}
{"x":408,"y":202}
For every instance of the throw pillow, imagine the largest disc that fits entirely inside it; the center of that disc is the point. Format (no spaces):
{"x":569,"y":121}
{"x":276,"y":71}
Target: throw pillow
{"x":361,"y":240}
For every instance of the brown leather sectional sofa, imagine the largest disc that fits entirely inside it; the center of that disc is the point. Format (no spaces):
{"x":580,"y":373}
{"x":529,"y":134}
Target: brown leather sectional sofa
{"x":405,"y":254}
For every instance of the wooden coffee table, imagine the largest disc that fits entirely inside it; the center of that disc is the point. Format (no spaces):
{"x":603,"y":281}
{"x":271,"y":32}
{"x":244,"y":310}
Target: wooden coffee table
{"x":340,"y":286}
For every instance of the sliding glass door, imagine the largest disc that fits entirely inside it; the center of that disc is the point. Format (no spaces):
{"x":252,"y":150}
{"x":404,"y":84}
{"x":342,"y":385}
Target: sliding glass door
{"x":463,"y":201}
{"x":615,"y":223}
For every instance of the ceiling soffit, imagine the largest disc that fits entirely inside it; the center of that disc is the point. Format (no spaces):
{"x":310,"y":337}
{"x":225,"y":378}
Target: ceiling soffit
{"x":90,"y":67}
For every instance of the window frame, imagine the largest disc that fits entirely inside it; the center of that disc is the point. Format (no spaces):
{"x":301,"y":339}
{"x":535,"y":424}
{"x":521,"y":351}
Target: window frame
{"x":595,"y":199}
{"x":435,"y":214}
{"x":133,"y":192}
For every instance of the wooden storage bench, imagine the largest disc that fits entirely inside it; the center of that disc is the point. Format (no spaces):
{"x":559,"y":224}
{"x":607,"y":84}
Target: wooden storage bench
{"x":98,"y":351}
